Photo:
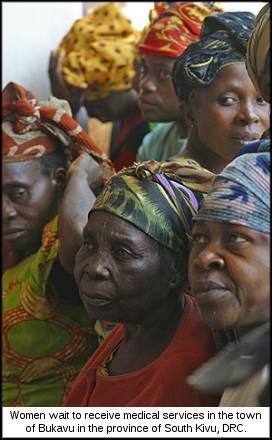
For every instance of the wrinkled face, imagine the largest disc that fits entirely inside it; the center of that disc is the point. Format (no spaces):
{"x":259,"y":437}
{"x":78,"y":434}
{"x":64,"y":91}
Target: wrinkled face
{"x":228,"y":113}
{"x":113,"y":107}
{"x":29,"y":202}
{"x":119,"y":270}
{"x":229,"y":274}
{"x":157,"y":98}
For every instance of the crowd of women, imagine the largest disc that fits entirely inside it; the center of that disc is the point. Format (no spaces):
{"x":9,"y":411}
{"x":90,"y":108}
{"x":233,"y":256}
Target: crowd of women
{"x":141,"y":278}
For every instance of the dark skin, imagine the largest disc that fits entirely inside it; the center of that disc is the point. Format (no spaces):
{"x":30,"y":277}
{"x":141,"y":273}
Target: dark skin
{"x":157,"y":99}
{"x":30,"y":201}
{"x":122,"y":278}
{"x":223,"y":117}
{"x":117,"y":105}
{"x":229,"y":274}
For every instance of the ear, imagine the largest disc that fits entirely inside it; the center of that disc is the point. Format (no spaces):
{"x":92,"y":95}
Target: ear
{"x":188,"y":112}
{"x":59,"y":179}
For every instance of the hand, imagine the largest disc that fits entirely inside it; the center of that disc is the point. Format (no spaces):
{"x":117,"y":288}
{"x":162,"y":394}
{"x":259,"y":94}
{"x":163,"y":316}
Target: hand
{"x":59,"y":88}
{"x":86,"y":167}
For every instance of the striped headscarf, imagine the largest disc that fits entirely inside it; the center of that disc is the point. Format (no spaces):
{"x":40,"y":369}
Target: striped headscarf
{"x":259,"y":47}
{"x":32,"y":128}
{"x":173,"y":28}
{"x":223,"y":41}
{"x":240,"y":194}
{"x":158,"y":198}
{"x":99,"y":52}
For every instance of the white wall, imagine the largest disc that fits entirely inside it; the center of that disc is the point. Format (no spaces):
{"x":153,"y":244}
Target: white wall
{"x":30,"y":31}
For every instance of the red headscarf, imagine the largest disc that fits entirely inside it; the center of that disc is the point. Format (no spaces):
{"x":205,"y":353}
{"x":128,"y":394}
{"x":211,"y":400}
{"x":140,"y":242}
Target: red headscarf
{"x":175,"y":28}
{"x":31,"y":127}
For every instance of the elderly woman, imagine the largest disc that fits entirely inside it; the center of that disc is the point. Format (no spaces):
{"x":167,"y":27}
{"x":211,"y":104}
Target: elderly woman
{"x":229,"y":273}
{"x":223,"y":108}
{"x":131,"y":269}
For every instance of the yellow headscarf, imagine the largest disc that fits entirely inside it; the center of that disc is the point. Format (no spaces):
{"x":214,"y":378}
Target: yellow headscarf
{"x":259,"y":46}
{"x":99,"y":51}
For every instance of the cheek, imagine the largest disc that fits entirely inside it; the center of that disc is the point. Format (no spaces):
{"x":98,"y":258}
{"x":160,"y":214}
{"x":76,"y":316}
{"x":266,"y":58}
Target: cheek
{"x":79,"y":264}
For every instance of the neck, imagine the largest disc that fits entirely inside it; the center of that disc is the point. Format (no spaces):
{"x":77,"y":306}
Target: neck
{"x":205,"y":157}
{"x":160,"y":324}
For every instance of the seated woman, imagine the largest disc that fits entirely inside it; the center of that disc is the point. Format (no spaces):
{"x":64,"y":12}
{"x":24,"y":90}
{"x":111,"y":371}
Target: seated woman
{"x":131,"y":269}
{"x":229,"y":273}
{"x":223,"y":108}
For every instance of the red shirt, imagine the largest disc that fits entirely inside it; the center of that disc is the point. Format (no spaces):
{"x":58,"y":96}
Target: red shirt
{"x":161,"y":382}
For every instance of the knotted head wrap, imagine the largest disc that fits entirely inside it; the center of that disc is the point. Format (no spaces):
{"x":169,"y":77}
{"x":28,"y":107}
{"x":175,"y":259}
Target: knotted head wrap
{"x":99,"y":51}
{"x":173,"y":28}
{"x":158,"y":198}
{"x":259,"y":47}
{"x":32,"y":128}
{"x":240,"y":194}
{"x":223,"y":41}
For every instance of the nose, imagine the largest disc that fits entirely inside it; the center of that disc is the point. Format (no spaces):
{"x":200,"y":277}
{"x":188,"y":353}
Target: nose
{"x":9,"y":211}
{"x":248,"y":113}
{"x":209,"y":259}
{"x":146,"y":84}
{"x":98,"y":267}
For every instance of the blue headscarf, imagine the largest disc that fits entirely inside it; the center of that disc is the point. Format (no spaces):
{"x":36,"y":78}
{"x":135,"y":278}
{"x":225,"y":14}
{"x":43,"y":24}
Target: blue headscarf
{"x":224,"y":39}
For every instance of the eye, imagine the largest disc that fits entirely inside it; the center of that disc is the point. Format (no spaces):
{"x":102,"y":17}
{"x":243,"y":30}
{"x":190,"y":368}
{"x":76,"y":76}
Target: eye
{"x":227,"y":100}
{"x":236,"y":238}
{"x":198,"y":238}
{"x":18,"y":194}
{"x":121,"y":254}
{"x":88,"y":243}
{"x":260,"y":100}
{"x":164,"y":75}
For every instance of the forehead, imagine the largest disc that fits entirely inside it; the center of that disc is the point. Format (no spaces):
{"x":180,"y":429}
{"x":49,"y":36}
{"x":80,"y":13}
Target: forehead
{"x":158,"y":61}
{"x":24,"y":172}
{"x":231,"y":76}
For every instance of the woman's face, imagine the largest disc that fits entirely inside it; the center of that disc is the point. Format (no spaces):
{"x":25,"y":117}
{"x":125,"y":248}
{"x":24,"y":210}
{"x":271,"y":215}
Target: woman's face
{"x":228,"y":114}
{"x":157,"y":98}
{"x":119,"y":270}
{"x":229,"y":274}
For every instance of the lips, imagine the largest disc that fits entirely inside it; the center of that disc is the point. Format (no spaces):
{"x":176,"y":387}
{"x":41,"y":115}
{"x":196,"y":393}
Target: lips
{"x":96,"y":301}
{"x":209,"y":291}
{"x":145,"y":103}
{"x":13,"y":234}
{"x":245,"y":138}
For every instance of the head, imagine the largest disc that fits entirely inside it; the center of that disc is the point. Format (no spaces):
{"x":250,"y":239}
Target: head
{"x":258,"y":53}
{"x":167,"y":37}
{"x":39,"y":141}
{"x":222,"y":107}
{"x":99,"y":52}
{"x":229,"y":266}
{"x":137,"y":229}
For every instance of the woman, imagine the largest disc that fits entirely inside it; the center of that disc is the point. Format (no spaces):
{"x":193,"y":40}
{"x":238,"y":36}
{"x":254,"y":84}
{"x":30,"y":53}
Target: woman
{"x":223,"y":108}
{"x":229,"y":273}
{"x":131,"y":269}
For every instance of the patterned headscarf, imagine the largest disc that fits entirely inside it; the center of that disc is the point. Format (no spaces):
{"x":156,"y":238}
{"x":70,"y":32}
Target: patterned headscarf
{"x":223,"y":41}
{"x":259,"y":46}
{"x":33,"y":128}
{"x":99,"y":51}
{"x":240,"y":194}
{"x":172,"y":29}
{"x":158,"y":198}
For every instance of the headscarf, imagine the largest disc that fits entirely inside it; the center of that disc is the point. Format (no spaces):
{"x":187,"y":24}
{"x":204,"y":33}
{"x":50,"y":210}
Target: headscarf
{"x":259,"y":46}
{"x":33,"y":128}
{"x":99,"y":51}
{"x":173,"y":28}
{"x":223,"y":41}
{"x":240,"y":194}
{"x":159,"y":198}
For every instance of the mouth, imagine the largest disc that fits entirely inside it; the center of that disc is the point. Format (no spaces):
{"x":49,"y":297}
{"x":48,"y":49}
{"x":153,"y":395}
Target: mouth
{"x":13,"y":234}
{"x":209,"y":292}
{"x":245,"y":139}
{"x":96,"y":301}
{"x":145,"y":103}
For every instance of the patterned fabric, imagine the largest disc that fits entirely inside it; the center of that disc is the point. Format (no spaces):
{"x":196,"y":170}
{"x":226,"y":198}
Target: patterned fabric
{"x":46,"y":338}
{"x":158,"y":198}
{"x":223,"y":41}
{"x":241,"y":194}
{"x":259,"y":46}
{"x":172,"y":29}
{"x":99,"y":51}
{"x":31,"y":128}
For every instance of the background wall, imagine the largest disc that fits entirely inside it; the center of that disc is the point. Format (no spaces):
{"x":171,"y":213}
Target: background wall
{"x":31,"y":30}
